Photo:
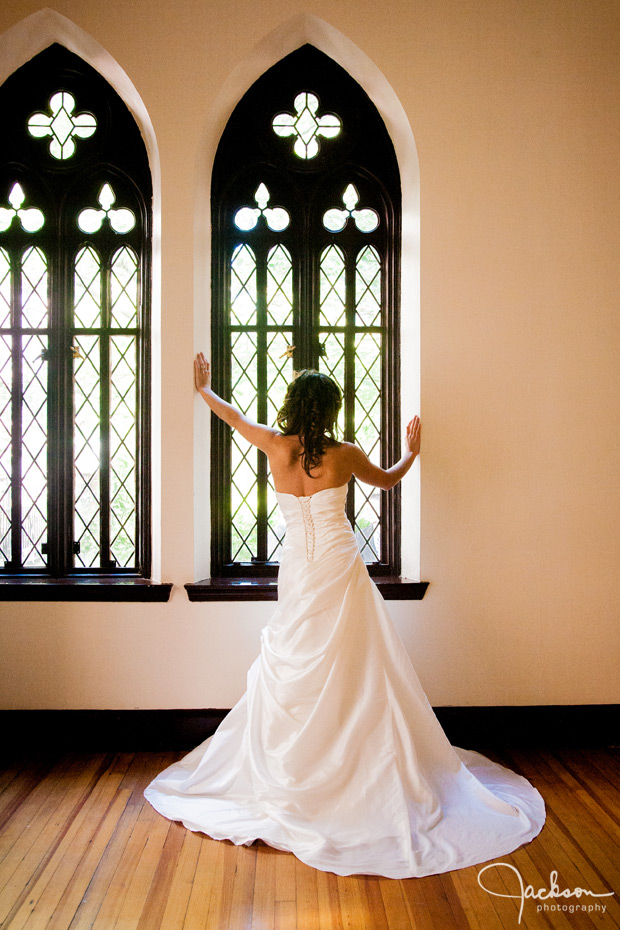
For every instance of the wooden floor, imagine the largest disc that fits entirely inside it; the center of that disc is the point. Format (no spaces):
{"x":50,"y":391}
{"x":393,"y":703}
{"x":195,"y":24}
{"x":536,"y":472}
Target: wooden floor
{"x":80,"y":848}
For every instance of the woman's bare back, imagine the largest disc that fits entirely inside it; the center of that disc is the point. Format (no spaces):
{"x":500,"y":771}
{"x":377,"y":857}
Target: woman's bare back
{"x":289,"y":477}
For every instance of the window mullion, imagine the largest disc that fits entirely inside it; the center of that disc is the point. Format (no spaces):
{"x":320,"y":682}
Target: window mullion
{"x":349,"y":367}
{"x":60,"y":419}
{"x":307,"y":353}
{"x":261,"y":400}
{"x":16,"y":411}
{"x":104,"y":414}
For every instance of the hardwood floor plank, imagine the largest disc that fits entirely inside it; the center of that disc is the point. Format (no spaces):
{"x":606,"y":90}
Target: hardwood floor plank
{"x":376,"y":904}
{"x":415,"y":895}
{"x":30,"y":852}
{"x":286,"y":875}
{"x":18,"y":782}
{"x":307,"y":893}
{"x":598,"y":772}
{"x":106,"y":875}
{"x":475,"y":902}
{"x":285,"y":915}
{"x":77,"y":888}
{"x":460,"y":913}
{"x":155,"y":904}
{"x":240,"y":916}
{"x":438,"y":904}
{"x":38,"y":805}
{"x":203,"y":885}
{"x":182,"y":881}
{"x":113,"y":907}
{"x":221,"y":900}
{"x":263,"y":903}
{"x":328,"y":897}
{"x":395,"y":904}
{"x":156,"y":831}
{"x":44,"y":896}
{"x":355,"y":907}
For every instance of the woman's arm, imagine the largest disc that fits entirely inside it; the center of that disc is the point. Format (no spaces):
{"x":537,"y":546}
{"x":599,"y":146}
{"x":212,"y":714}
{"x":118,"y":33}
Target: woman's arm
{"x":386,"y":478}
{"x":256,"y":433}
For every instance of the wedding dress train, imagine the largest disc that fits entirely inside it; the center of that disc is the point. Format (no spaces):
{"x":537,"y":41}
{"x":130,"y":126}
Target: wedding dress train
{"x":334,"y":751}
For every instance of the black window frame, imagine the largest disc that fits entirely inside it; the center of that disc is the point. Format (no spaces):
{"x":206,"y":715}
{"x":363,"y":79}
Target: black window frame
{"x":249,"y":153}
{"x":114,"y":154}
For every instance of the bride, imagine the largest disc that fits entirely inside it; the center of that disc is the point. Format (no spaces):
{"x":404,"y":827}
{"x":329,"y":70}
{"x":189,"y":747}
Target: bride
{"x":334,"y":752}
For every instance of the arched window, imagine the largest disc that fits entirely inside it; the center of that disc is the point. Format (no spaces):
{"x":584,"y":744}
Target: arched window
{"x":306,"y":234}
{"x":75,"y":230}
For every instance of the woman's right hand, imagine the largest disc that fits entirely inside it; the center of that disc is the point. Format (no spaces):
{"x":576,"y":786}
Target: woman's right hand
{"x":413,"y":436}
{"x":202,"y":372}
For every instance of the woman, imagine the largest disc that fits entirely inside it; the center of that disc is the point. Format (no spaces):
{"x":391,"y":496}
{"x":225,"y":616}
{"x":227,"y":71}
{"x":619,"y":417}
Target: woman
{"x":334,"y":752}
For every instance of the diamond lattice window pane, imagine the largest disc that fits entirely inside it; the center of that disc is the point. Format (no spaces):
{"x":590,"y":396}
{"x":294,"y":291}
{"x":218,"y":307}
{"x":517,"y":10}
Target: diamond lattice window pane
{"x":279,"y":373}
{"x":5,"y":288}
{"x":6,"y":379}
{"x":87,"y":289}
{"x":244,"y":373}
{"x":368,"y":393}
{"x":368,"y":287}
{"x":87,"y":452}
{"x":279,"y":287}
{"x":276,"y":527}
{"x":34,"y":289}
{"x":123,"y":432}
{"x":333,"y":364}
{"x":243,"y":286}
{"x":332,"y":288}
{"x":279,"y":376}
{"x":124,"y":288}
{"x":367,"y":521}
{"x":244,"y":500}
{"x":244,"y":472}
{"x":34,"y":451}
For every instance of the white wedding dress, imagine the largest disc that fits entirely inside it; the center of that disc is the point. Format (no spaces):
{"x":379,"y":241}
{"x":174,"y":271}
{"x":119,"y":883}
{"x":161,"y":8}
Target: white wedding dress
{"x":334,"y":751}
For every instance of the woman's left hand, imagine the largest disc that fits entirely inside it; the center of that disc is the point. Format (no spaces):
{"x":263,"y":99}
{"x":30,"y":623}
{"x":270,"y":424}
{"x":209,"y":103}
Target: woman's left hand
{"x":202,"y":372}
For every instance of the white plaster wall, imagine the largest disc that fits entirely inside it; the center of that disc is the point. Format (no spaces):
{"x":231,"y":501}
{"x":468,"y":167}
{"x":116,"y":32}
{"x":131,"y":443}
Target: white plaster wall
{"x":515,"y":109}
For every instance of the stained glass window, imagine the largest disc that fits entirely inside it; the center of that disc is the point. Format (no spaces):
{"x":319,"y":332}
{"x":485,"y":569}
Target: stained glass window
{"x":74,"y":268}
{"x":305,"y":275}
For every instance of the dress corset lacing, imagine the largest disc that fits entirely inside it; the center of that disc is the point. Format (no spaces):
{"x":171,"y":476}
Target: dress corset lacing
{"x":306,"y":512}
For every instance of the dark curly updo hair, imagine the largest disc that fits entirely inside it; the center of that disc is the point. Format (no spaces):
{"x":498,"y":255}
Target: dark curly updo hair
{"x":310,"y":411}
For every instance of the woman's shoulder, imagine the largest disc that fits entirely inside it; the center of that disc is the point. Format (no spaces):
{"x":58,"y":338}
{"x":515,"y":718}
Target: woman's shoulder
{"x":343,"y":451}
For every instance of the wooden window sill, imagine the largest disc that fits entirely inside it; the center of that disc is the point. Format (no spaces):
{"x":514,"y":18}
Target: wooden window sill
{"x":90,"y":588}
{"x":392,"y":588}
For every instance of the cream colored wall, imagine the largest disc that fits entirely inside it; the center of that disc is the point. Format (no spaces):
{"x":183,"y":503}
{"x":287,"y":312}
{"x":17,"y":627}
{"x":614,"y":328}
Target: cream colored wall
{"x":514,"y":108}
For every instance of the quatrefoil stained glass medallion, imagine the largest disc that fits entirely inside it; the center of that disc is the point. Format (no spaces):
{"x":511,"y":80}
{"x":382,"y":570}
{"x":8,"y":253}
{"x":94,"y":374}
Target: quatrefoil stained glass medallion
{"x":307,"y":125}
{"x":62,"y":125}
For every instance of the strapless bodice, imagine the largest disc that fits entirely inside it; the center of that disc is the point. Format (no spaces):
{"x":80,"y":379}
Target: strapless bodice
{"x":315,"y":523}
